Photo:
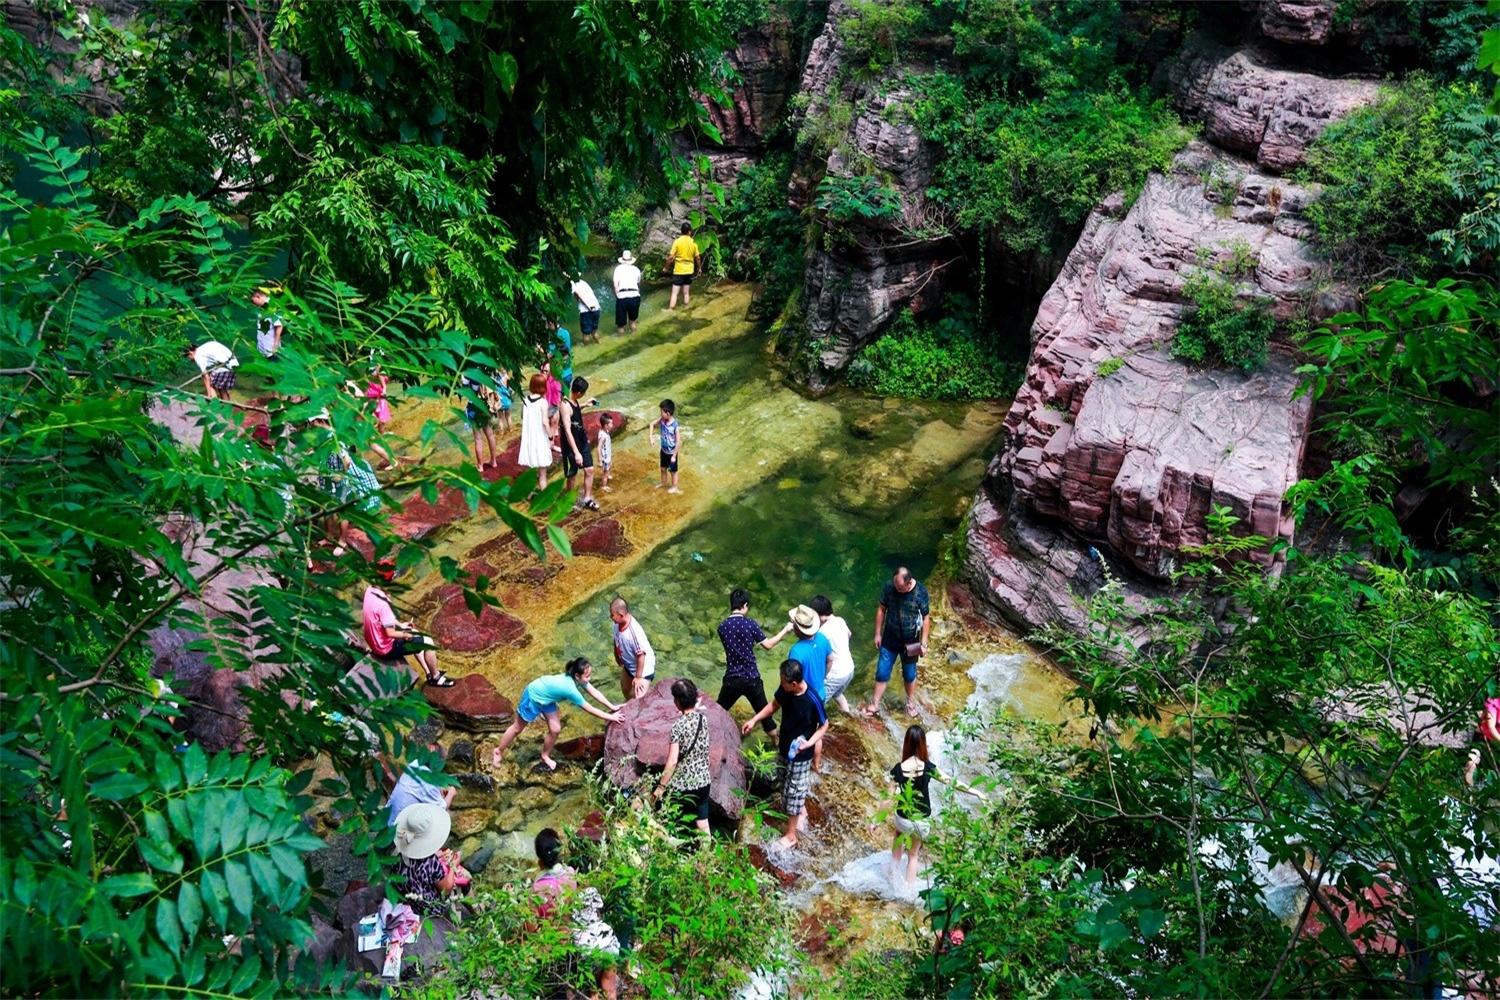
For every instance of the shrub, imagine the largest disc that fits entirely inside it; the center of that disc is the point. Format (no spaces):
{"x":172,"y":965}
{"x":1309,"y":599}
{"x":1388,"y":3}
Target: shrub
{"x":1109,"y":366}
{"x":858,"y":199}
{"x":941,"y":360}
{"x":876,"y":31}
{"x":1389,"y":177}
{"x":1220,"y":329}
{"x":625,"y":227}
{"x":762,"y":236}
{"x":694,"y":922}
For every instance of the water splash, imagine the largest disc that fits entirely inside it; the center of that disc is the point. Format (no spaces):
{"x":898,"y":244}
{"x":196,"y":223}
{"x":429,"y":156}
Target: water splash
{"x":875,"y":875}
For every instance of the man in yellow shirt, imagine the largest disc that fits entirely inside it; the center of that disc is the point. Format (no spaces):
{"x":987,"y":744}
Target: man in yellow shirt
{"x":683,"y":261}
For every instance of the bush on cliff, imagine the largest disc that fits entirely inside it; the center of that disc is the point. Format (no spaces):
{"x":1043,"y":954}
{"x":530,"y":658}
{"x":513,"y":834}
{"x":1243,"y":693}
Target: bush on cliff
{"x":763,"y":238}
{"x":942,"y":359}
{"x":1219,"y":329}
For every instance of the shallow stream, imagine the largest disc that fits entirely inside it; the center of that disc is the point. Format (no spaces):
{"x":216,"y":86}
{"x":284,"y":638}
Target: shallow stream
{"x":788,"y":497}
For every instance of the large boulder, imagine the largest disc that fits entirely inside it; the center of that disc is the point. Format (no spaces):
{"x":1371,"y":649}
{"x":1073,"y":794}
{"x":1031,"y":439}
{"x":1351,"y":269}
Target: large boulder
{"x":1249,"y":106}
{"x":639,"y":744}
{"x":764,"y":70}
{"x":471,"y":704}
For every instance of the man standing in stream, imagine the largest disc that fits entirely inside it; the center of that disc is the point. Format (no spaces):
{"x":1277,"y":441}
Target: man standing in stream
{"x":902,"y":622}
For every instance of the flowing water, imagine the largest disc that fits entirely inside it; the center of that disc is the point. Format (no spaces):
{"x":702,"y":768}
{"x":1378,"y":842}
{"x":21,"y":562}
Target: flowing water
{"x":787,"y":497}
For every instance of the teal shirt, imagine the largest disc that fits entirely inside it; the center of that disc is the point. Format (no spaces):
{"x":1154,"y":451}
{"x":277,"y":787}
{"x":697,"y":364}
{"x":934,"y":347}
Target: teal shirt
{"x":552,"y":689}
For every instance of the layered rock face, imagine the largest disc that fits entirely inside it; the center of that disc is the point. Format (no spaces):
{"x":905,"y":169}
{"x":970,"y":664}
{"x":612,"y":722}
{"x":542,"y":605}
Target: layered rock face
{"x":639,"y":743}
{"x":1119,"y":470}
{"x":863,"y":274}
{"x":765,"y":72}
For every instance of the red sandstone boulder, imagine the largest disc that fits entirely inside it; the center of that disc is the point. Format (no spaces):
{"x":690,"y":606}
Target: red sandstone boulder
{"x":472,"y":703}
{"x":760,"y":859}
{"x":583,"y":749}
{"x":639,"y":744}
{"x":417,"y":518}
{"x":457,"y":628}
{"x":604,"y":538}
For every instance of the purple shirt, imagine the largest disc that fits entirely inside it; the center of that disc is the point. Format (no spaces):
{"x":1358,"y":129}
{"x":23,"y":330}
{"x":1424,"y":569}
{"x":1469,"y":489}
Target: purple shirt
{"x":740,"y":634}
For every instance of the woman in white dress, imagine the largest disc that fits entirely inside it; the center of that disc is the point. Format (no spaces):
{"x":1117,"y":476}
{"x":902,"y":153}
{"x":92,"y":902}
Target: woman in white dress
{"x":536,"y":449}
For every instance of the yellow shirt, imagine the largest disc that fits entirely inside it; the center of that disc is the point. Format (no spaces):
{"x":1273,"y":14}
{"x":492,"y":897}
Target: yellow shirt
{"x":684,"y":251}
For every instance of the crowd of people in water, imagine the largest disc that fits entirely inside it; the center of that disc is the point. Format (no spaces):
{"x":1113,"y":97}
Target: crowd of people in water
{"x":816,"y":671}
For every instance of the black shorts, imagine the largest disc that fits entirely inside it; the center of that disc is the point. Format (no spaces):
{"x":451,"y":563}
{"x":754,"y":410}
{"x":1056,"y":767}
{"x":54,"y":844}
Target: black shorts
{"x":406,"y":646}
{"x":570,"y":467}
{"x":588,"y":321}
{"x":682,"y":279}
{"x":691,"y":804}
{"x":669,"y":461}
{"x":627,"y":309}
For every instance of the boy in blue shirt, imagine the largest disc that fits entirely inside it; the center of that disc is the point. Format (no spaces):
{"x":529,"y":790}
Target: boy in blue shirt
{"x":671,"y":445}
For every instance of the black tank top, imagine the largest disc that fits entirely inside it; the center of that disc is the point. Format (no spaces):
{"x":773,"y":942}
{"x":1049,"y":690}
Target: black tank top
{"x":575,"y":421}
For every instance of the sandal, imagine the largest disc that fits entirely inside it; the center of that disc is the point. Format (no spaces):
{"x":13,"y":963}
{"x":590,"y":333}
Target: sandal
{"x":591,"y":504}
{"x":440,"y":680}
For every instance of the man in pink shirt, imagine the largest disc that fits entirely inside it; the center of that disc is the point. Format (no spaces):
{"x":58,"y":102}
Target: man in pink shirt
{"x":392,"y":641}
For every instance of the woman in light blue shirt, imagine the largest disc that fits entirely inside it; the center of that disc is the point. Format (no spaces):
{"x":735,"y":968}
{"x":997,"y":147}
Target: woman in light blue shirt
{"x":543,"y":696}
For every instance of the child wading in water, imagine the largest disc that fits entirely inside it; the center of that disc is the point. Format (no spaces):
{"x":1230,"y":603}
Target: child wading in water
{"x":911,"y":816}
{"x":671,"y":445}
{"x":543,"y":697}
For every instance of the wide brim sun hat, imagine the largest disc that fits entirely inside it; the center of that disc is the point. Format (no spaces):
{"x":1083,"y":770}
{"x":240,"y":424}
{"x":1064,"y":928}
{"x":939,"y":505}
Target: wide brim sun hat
{"x":625,"y":258}
{"x":421,"y":830}
{"x":804,"y":619}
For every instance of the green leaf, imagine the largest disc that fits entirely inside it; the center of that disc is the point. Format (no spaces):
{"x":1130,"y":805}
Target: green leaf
{"x":1152,"y":921}
{"x":125,"y":886}
{"x":194,"y":766}
{"x":167,"y":927}
{"x":235,"y":820}
{"x":189,"y":909}
{"x":241,"y":891}
{"x":118,"y":787}
{"x":506,"y":70}
{"x":215,"y":898}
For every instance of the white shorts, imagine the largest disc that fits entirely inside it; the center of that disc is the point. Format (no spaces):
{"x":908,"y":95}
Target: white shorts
{"x":836,"y":686}
{"x":911,"y":827}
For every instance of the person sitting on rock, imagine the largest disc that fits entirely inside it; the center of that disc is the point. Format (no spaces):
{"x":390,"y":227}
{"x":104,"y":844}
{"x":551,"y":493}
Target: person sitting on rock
{"x":426,"y":876}
{"x":392,"y":640}
{"x":543,"y":696}
{"x":557,"y":886}
{"x":686,"y":774}
{"x":415,"y":784}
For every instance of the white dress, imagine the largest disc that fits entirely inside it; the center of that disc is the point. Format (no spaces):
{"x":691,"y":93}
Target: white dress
{"x":536,"y":449}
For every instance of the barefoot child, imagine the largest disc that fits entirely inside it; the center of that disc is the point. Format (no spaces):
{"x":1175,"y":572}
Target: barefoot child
{"x":913,"y":809}
{"x":606,"y":448}
{"x":542,"y":698}
{"x":803,"y":723}
{"x":671,"y":445}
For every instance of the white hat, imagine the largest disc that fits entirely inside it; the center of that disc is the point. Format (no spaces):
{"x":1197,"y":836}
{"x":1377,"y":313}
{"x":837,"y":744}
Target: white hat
{"x":421,"y":829}
{"x":626,"y":258}
{"x":804,"y":619}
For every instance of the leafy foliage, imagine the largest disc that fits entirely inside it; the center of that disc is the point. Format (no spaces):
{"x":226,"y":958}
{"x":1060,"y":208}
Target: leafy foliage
{"x":944,"y":359}
{"x":857,"y":199}
{"x":1394,"y":174}
{"x":1032,"y":170}
{"x":763,"y":236}
{"x":167,"y":850}
{"x":1219,"y":329}
{"x":875,"y":33}
{"x":693,"y":922}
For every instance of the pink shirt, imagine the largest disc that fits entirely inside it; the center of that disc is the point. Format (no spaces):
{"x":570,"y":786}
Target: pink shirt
{"x":376,"y":391}
{"x":554,"y":392}
{"x":378,"y":618}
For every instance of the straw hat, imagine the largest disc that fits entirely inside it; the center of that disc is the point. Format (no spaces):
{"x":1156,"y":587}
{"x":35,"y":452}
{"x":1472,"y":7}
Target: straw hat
{"x":626,"y":258}
{"x":421,"y":829}
{"x":804,"y":620}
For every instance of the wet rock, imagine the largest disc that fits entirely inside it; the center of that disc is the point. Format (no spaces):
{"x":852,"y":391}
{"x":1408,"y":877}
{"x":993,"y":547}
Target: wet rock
{"x":1251,"y":107}
{"x":468,"y":822}
{"x":461,"y":755}
{"x":532,"y":799}
{"x":477,"y":781}
{"x":457,"y":628}
{"x":785,"y":877}
{"x":472,"y":704}
{"x":845,"y":747}
{"x":418,"y":518}
{"x":604,"y":538}
{"x":640,"y":742}
{"x":475,"y":790}
{"x":510,"y":820}
{"x":586,"y":749}
{"x":479,"y":858}
{"x":564,"y":778}
{"x":958,"y":659}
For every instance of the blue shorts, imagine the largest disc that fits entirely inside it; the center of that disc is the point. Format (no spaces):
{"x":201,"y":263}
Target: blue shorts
{"x":530,"y":711}
{"x":588,"y":321}
{"x":887,"y":663}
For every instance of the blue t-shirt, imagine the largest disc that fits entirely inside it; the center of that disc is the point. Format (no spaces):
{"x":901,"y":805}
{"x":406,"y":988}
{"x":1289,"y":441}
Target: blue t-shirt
{"x":545,"y":692}
{"x":410,"y":789}
{"x":669,"y":435}
{"x":813,"y":655}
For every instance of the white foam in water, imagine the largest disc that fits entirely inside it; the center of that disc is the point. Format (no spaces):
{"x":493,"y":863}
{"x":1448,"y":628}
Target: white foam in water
{"x":993,"y":678}
{"x":872,"y":875}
